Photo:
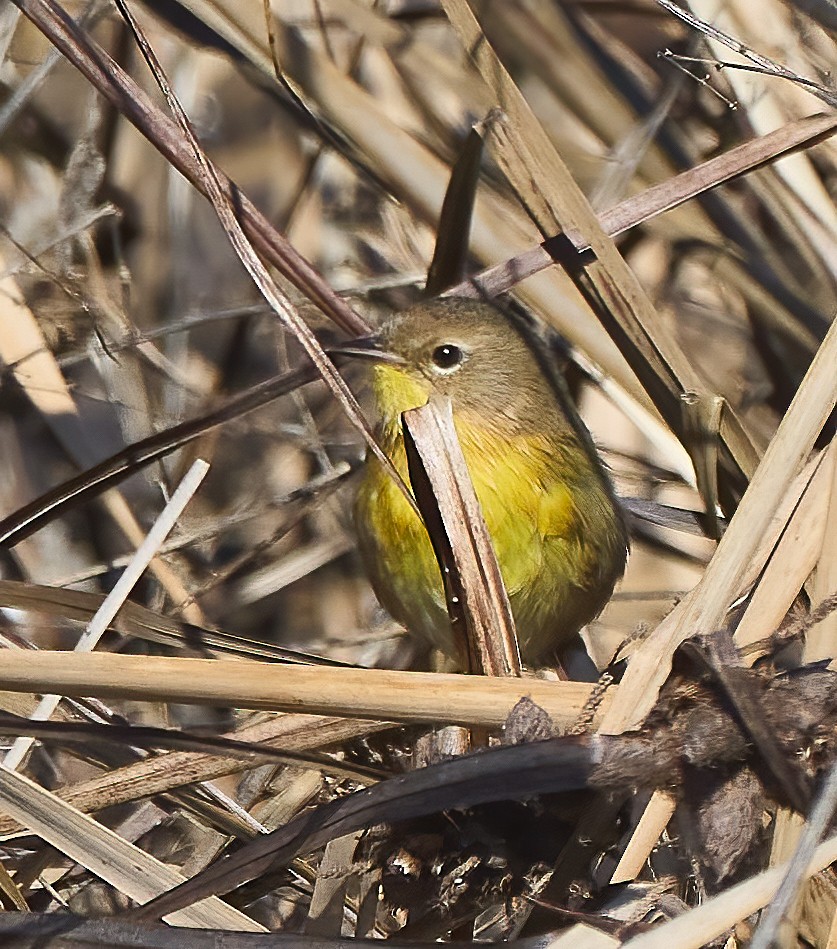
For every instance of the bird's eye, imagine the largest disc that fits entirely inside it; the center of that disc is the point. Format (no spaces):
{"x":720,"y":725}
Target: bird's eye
{"x":447,"y":357}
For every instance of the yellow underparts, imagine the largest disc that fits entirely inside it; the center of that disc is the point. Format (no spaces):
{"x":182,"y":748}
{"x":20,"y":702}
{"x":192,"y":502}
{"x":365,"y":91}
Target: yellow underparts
{"x":549,"y":520}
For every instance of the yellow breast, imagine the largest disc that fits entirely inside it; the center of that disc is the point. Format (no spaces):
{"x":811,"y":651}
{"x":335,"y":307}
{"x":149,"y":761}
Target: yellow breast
{"x":549,"y":521}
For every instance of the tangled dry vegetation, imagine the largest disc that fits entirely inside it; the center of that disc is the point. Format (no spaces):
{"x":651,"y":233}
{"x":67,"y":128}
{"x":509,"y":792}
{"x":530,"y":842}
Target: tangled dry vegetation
{"x":656,"y":184}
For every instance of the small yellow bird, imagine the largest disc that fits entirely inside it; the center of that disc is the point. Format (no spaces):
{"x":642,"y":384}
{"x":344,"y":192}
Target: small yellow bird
{"x":556,"y":526}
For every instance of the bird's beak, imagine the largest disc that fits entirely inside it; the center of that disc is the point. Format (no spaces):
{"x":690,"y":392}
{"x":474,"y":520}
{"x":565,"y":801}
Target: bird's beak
{"x":367,"y":347}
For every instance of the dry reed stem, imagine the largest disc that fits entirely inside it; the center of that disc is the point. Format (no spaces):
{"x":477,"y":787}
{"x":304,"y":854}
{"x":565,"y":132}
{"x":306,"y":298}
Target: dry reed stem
{"x":793,"y":559}
{"x":358,"y":693}
{"x":658,"y":812}
{"x":821,"y":641}
{"x":137,"y":622}
{"x":658,"y":199}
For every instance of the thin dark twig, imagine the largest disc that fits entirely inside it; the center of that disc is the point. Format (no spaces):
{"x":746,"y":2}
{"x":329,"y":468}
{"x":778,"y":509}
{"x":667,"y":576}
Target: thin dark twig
{"x":149,"y":736}
{"x":767,"y":65}
{"x":719,"y":64}
{"x":677,"y":61}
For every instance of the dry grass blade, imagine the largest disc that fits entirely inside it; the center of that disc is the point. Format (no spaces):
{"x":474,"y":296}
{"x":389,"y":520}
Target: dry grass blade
{"x":11,"y":892}
{"x":148,"y":737}
{"x":645,"y":836}
{"x":799,"y":547}
{"x":176,"y":769}
{"x":636,"y":210}
{"x":325,"y":914}
{"x":269,"y":289}
{"x":359,"y":693}
{"x":126,"y":96}
{"x":114,"y":600}
{"x":822,"y":815}
{"x":134,"y":872}
{"x":450,"y":255}
{"x":262,"y":583}
{"x":497,"y":774}
{"x":763,"y":150}
{"x":706,"y":606}
{"x":720,"y":913}
{"x":528,"y":156}
{"x":104,"y":475}
{"x":67,"y":931}
{"x":821,"y":640}
{"x":139,"y":622}
{"x":477,"y":600}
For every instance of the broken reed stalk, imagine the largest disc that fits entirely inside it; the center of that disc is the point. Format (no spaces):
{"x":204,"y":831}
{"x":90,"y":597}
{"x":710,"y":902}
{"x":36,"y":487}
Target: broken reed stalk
{"x":477,"y":600}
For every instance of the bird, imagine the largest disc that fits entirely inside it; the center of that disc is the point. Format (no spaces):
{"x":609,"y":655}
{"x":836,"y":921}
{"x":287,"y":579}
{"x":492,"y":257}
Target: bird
{"x":551,"y":512}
